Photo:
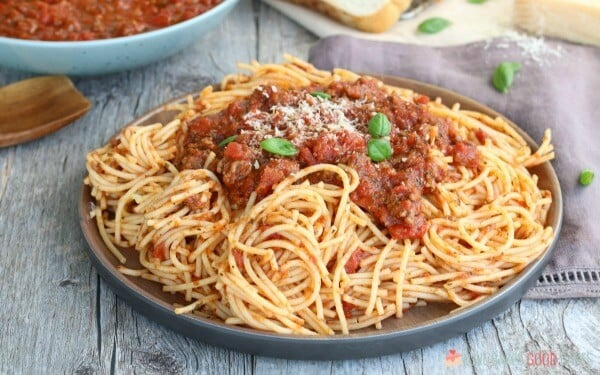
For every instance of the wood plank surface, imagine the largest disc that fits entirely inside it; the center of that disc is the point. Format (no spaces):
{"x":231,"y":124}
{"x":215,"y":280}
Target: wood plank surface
{"x":58,"y":316}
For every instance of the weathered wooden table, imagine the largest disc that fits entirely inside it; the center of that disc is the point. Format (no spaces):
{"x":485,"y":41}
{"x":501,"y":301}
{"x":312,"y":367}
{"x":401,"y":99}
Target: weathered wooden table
{"x":58,"y":316}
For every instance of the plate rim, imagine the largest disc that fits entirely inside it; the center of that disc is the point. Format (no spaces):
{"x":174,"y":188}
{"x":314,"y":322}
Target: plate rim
{"x":324,"y":347}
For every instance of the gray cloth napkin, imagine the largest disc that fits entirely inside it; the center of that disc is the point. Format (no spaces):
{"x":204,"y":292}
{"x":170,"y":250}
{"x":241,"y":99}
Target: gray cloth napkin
{"x":558,"y":87}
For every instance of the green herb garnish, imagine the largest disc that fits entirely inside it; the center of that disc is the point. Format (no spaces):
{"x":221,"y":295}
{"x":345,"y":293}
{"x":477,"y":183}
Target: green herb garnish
{"x":586,"y":177}
{"x":279,"y":146}
{"x":504,"y":75}
{"x":321,"y":95}
{"x":433,"y":25}
{"x":226,"y":141}
{"x":379,"y":149}
{"x":476,"y":1}
{"x":379,"y":125}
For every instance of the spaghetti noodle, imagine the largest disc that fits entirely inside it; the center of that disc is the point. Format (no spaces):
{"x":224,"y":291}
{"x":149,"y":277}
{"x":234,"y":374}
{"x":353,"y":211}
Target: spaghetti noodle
{"x":314,"y":243}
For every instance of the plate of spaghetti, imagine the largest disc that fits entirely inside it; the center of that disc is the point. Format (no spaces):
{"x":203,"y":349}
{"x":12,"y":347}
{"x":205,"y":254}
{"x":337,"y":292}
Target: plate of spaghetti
{"x":302,"y":213}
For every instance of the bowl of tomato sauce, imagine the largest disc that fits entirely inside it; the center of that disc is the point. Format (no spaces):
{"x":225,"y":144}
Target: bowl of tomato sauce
{"x":86,"y":37}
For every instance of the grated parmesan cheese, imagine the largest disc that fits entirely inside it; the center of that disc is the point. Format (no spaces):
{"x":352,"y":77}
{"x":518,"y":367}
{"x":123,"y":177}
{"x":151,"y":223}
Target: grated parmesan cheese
{"x":307,"y":118}
{"x":531,"y":47}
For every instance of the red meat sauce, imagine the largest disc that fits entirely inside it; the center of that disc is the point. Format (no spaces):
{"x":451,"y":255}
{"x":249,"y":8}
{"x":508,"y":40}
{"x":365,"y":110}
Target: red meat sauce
{"x":389,"y":190}
{"x":71,"y":20}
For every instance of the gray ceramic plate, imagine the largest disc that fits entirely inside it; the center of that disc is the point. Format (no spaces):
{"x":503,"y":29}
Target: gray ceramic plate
{"x":421,"y":326}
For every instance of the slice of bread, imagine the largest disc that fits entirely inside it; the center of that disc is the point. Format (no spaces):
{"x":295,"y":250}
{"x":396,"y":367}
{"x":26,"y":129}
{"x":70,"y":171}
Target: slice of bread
{"x":574,"y":20}
{"x":374,"y":16}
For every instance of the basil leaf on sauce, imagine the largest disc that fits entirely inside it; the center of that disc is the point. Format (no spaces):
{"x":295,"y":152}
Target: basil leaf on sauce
{"x":504,"y":75}
{"x":279,"y":146}
{"x":226,"y":141}
{"x":476,"y":1}
{"x":433,"y":25}
{"x":586,"y":177}
{"x":379,"y":125}
{"x":379,"y":149}
{"x":321,"y":95}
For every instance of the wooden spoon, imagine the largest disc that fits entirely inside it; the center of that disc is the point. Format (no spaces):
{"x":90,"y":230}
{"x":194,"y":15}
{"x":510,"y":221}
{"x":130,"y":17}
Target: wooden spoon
{"x":34,"y":107}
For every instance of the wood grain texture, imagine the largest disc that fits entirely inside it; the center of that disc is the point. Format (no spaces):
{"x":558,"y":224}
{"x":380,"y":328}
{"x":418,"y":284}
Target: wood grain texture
{"x":34,"y":107}
{"x":58,"y":316}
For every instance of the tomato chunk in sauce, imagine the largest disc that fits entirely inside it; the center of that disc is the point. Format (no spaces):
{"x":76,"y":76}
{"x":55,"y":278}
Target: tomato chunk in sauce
{"x":333,"y":131}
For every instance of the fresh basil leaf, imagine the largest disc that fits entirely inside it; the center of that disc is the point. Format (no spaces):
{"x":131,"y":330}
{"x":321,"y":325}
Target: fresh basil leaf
{"x":379,"y":125}
{"x":226,"y":141}
{"x":586,"y":177}
{"x":476,"y":1}
{"x":504,"y":75}
{"x":321,"y":95}
{"x":379,"y":149}
{"x":279,"y":146}
{"x":433,"y":25}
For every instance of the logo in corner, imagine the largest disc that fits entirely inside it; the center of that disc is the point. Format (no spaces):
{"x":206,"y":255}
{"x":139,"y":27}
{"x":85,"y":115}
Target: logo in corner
{"x":453,"y":358}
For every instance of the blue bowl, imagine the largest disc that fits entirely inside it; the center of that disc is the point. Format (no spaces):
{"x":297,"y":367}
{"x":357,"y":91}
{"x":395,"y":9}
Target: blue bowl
{"x":108,"y":55}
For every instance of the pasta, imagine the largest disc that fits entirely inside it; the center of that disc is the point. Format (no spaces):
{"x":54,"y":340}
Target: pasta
{"x":291,"y":243}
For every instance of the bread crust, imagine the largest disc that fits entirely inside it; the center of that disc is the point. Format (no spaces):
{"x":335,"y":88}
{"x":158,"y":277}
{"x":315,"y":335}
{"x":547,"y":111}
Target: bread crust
{"x":377,"y":22}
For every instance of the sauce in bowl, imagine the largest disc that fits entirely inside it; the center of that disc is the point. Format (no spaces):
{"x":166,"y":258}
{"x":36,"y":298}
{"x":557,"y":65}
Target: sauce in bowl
{"x":73,"y":20}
